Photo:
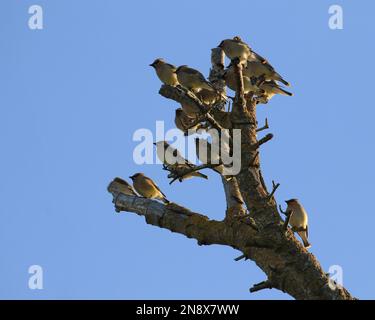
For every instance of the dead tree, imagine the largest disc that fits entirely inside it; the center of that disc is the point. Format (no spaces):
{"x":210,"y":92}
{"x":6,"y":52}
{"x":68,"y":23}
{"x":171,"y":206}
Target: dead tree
{"x":257,"y":230}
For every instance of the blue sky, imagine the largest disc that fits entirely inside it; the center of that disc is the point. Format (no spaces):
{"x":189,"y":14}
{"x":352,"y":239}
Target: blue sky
{"x":73,"y":94}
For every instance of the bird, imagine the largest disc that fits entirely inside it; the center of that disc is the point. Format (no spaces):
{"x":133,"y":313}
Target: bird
{"x":258,"y":69}
{"x":147,"y":188}
{"x":119,"y":185}
{"x":168,"y":155}
{"x":184,"y":123}
{"x":270,"y":88}
{"x":298,"y":220}
{"x":236,"y":48}
{"x":230,"y":78}
{"x":165,"y":71}
{"x":208,"y":96}
{"x":192,"y":79}
{"x":173,"y":159}
{"x":191,"y":109}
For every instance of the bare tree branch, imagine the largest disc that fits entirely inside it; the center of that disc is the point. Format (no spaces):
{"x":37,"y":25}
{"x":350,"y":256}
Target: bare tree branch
{"x":178,"y":219}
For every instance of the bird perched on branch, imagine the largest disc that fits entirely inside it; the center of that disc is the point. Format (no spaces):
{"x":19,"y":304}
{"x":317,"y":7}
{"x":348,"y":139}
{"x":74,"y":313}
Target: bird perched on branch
{"x":298,"y":220}
{"x":119,"y":185}
{"x":191,"y":109}
{"x":270,"y":88}
{"x":175,"y":162}
{"x":236,"y":48}
{"x":192,"y":79}
{"x":147,"y":188}
{"x":258,"y":69}
{"x":165,"y":71}
{"x":208,"y":96}
{"x":186,"y":123}
{"x":168,"y":155}
{"x":249,"y":85}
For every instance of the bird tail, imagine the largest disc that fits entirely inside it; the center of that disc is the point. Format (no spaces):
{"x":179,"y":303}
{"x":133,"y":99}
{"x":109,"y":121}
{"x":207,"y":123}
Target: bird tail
{"x":283,"y":81}
{"x":303,"y":236}
{"x":287,"y":93}
{"x":165,"y":200}
{"x":201,"y":175}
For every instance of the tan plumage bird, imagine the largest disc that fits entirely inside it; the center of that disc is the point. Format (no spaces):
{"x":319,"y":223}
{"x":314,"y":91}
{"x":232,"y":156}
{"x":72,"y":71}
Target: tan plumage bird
{"x":119,"y":185}
{"x":168,"y":155}
{"x":165,"y":71}
{"x":183,"y":122}
{"x":208,"y":96}
{"x":147,"y":188}
{"x":298,"y":220}
{"x":192,"y":79}
{"x":271,"y":88}
{"x":191,"y":110}
{"x":230,"y":78}
{"x":236,"y":48}
{"x":258,"y":69}
{"x":173,"y":159}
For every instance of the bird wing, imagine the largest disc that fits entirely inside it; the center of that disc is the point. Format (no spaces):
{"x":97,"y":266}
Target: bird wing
{"x":259,"y":57}
{"x":154,"y":185}
{"x":196,"y":73}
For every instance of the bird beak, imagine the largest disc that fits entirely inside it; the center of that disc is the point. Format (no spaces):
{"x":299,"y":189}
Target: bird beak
{"x":132,"y":177}
{"x":220,"y":44}
{"x":152,"y":65}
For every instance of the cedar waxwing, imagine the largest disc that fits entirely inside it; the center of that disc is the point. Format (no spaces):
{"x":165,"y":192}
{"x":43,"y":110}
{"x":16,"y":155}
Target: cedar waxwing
{"x":165,"y":71}
{"x":208,"y":96}
{"x":258,"y":69}
{"x":147,"y":188}
{"x":271,"y":88}
{"x":183,"y":122}
{"x":119,"y":185}
{"x":236,"y":48}
{"x":231,"y":81}
{"x":191,"y":110}
{"x":168,"y":155}
{"x":192,"y":79}
{"x":171,"y":157}
{"x":204,"y":154}
{"x":298,"y":220}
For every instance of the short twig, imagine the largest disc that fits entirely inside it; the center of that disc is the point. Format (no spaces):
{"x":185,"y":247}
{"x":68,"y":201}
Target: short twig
{"x":281,"y":210}
{"x":265,"y":139}
{"x":262,"y":285}
{"x":274,"y":188}
{"x":288,"y":215}
{"x":242,"y":256}
{"x":265,"y":127}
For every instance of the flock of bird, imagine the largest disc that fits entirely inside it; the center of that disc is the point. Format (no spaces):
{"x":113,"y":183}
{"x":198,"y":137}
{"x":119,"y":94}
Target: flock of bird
{"x":261,"y":82}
